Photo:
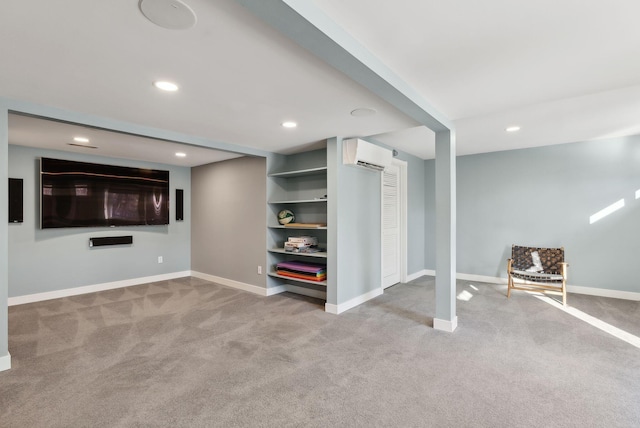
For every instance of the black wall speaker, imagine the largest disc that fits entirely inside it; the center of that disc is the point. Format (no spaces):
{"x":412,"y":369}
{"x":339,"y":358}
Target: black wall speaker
{"x":15,"y":200}
{"x":110,"y":240}
{"x":179,"y":205}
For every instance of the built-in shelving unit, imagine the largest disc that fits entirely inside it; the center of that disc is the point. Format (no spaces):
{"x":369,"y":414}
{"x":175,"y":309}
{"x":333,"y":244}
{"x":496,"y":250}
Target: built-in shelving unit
{"x":298,"y":184}
{"x":300,"y":201}
{"x":303,"y":281}
{"x":319,"y":254}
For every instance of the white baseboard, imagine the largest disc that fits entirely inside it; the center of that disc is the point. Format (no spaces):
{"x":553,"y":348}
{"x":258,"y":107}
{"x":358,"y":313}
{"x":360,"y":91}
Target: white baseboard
{"x":57,"y":294}
{"x":271,"y":291}
{"x":342,"y":307}
{"x":237,"y":284}
{"x":5,"y":362}
{"x":603,"y":292}
{"x":418,"y":274}
{"x":481,"y":278}
{"x":259,"y":290}
{"x":67,"y":292}
{"x":330,"y":308}
{"x":445,"y":325}
{"x":577,"y":289}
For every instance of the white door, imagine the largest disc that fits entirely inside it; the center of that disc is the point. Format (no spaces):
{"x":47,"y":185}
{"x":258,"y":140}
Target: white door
{"x":390,"y":226}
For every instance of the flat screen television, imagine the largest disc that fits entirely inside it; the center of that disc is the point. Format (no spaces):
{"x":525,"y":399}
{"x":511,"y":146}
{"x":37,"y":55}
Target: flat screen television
{"x":81,"y":194}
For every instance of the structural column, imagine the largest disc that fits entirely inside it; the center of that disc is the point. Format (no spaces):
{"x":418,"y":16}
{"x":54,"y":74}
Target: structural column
{"x":5,"y":358}
{"x":445,"y":318}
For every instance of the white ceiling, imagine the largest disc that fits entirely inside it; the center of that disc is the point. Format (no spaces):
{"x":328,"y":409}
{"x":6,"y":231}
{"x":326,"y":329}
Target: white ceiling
{"x":564,"y":71}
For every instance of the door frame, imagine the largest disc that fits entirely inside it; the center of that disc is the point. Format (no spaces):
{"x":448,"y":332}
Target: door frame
{"x":403,"y":165}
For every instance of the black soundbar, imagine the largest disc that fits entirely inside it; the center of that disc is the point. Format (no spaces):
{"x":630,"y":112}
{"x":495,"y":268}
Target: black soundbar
{"x":15,"y":200}
{"x":110,"y":240}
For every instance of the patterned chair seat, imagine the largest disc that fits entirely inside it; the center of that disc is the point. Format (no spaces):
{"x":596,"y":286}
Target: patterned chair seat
{"x":537,"y":269}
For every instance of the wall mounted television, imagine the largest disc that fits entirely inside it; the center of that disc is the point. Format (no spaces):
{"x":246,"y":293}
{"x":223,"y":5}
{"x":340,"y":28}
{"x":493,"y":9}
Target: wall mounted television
{"x":81,"y":194}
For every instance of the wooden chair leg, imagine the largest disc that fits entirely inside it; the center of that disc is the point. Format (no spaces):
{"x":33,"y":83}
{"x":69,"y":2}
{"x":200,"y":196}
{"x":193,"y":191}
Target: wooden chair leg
{"x":563,"y":270}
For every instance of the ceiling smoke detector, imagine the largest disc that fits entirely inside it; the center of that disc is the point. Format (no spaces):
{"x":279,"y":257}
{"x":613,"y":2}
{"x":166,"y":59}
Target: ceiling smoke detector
{"x":171,"y":14}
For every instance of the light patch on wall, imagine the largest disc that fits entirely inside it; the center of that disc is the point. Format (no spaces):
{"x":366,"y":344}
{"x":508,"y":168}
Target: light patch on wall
{"x":638,"y":194}
{"x":606,"y":211}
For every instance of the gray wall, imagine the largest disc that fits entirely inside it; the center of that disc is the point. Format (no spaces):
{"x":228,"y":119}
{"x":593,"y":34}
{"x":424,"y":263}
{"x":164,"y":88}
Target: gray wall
{"x":417,"y":181}
{"x":56,"y":259}
{"x":228,"y":236}
{"x":544,"y":197}
{"x":354,"y":228}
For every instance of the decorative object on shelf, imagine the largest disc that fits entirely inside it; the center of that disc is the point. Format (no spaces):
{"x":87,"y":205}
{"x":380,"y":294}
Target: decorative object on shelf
{"x":285,"y":217}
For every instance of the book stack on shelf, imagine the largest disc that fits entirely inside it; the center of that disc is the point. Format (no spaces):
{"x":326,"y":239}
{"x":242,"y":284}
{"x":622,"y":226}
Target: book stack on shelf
{"x":306,"y":225}
{"x":301,"y":244}
{"x":302,"y":270}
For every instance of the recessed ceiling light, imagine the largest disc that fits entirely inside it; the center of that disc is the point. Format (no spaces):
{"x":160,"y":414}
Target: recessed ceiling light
{"x":289,"y":124}
{"x":363,"y":111}
{"x":81,"y":139}
{"x":181,"y":155}
{"x":165,"y":86}
{"x":512,"y":129}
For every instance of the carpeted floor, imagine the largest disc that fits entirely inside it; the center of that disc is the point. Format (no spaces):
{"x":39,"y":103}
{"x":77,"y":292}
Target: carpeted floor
{"x":189,"y":353}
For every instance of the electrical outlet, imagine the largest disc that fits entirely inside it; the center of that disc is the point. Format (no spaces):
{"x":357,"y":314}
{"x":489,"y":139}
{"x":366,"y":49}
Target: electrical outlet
{"x":160,"y":259}
{"x":259,"y":270}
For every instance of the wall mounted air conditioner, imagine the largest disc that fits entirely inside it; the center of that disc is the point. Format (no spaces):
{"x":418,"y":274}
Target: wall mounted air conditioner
{"x":361,"y":153}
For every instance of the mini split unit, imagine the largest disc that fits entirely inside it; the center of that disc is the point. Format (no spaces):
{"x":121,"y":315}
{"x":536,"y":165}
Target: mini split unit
{"x":361,"y":153}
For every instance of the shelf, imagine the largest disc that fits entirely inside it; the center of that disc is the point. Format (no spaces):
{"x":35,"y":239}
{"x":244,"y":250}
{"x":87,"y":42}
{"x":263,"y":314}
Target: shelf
{"x":288,"y":278}
{"x":299,"y":201}
{"x":319,"y":254}
{"x":299,"y":173}
{"x":297,"y":228}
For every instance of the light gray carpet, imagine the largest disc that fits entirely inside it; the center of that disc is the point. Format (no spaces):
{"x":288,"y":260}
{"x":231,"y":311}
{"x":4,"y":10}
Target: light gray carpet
{"x":189,"y":353}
